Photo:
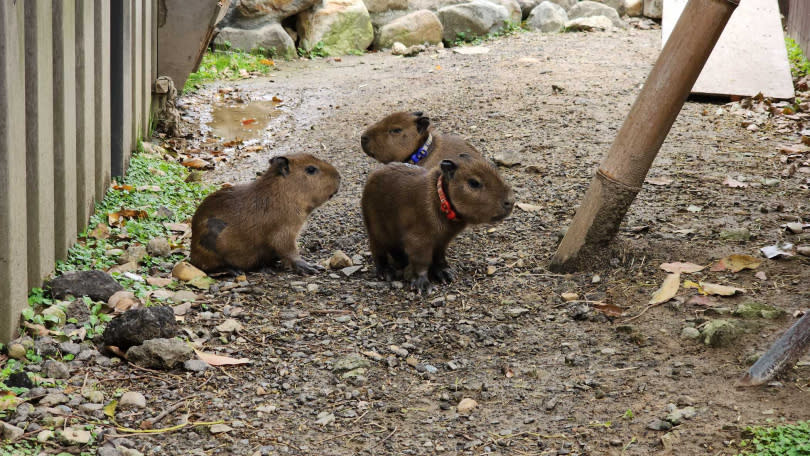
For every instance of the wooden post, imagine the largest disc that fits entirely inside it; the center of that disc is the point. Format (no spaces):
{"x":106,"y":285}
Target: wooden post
{"x":619,"y":178}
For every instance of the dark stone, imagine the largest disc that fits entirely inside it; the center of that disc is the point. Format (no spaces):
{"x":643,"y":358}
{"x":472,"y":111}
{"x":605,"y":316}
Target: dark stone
{"x":135,"y":326}
{"x":19,"y":380}
{"x":98,"y":285}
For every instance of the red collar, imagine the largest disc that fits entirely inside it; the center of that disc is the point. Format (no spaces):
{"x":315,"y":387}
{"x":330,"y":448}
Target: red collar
{"x":445,"y":206}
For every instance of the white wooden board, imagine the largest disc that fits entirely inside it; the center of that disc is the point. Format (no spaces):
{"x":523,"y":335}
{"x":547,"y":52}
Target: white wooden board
{"x":750,"y":56}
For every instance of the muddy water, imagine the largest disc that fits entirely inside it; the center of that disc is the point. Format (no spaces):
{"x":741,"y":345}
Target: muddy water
{"x":247,"y":121}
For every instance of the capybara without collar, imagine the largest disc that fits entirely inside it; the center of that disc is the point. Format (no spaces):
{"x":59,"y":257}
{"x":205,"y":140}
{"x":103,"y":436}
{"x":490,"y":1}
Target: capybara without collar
{"x":412,"y":214}
{"x":408,"y":137}
{"x":250,"y":226}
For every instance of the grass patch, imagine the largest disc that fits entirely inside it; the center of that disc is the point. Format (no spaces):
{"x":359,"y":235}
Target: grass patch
{"x":786,"y":440}
{"x":225,"y":64}
{"x":799,"y":66}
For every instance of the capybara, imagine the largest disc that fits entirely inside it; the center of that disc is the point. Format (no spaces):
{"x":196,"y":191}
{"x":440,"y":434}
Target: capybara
{"x":408,"y":137}
{"x":412,"y":213}
{"x":250,"y":226}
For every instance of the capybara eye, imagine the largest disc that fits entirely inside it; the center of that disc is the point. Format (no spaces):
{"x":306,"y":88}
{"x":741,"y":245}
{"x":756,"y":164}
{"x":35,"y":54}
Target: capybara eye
{"x":395,"y":131}
{"x":311,"y":169}
{"x":473,"y":183}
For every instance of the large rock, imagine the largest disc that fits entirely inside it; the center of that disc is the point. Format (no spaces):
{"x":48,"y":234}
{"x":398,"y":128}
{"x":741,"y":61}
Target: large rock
{"x":618,"y":5}
{"x":654,"y":8}
{"x":514,"y":9}
{"x":341,"y":25}
{"x":588,"y":8}
{"x":526,"y":7}
{"x":160,"y":353}
{"x":97,"y":285}
{"x":633,"y":8}
{"x":547,"y":17}
{"x":381,"y":6}
{"x":416,"y":28}
{"x":473,"y":19}
{"x":567,"y":4}
{"x":256,"y":13}
{"x":133,"y":327}
{"x":271,"y":37}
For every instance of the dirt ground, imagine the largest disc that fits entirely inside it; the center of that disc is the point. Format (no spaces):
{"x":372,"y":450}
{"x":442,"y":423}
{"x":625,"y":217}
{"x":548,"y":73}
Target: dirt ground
{"x":549,"y":377}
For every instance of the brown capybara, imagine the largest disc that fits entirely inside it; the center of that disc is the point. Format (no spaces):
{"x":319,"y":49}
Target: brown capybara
{"x":408,"y":137}
{"x":250,"y":226}
{"x":412,"y":214}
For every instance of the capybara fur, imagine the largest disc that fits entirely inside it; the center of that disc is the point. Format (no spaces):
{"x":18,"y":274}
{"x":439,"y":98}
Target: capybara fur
{"x":405,"y":220}
{"x":399,"y":136}
{"x":250,"y":226}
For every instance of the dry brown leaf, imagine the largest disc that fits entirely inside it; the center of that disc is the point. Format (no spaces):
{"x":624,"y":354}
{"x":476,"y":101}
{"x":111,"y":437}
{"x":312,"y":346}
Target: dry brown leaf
{"x":122,"y":187}
{"x":101,"y":231}
{"x":219,"y":360}
{"x":719,"y":290}
{"x":736,"y":263}
{"x":116,"y":218}
{"x":180,"y":227}
{"x":159,"y":281}
{"x":246,"y":122}
{"x":194,"y":163}
{"x":611,"y":310}
{"x":685,"y":268}
{"x":668,"y":290}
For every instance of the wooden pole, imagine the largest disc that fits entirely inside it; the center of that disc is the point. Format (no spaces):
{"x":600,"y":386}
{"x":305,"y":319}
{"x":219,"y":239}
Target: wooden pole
{"x":619,"y":178}
{"x":782,"y":354}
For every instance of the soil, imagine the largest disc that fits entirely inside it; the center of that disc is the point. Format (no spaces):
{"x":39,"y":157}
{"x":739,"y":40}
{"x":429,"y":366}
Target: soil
{"x":548,"y":376}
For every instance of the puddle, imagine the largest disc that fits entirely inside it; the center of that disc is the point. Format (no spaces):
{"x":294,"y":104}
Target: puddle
{"x":242,"y":121}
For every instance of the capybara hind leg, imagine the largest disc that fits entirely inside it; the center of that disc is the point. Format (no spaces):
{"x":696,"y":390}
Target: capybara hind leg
{"x":382,"y":267}
{"x":418,"y":265}
{"x":439,"y":270}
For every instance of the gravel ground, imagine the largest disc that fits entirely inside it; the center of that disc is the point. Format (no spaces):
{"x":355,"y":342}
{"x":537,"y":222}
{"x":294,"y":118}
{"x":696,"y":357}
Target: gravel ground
{"x":497,"y":362}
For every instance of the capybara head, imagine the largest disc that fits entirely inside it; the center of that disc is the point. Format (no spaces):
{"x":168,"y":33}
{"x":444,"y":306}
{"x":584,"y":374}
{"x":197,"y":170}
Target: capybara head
{"x":396,"y":137}
{"x":476,"y":190}
{"x":311,"y":180}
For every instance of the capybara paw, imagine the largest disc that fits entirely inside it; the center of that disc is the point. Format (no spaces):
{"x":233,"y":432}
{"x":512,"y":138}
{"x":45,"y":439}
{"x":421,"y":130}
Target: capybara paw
{"x":386,"y":273}
{"x":442,"y":274}
{"x":302,"y":267}
{"x":422,"y":285}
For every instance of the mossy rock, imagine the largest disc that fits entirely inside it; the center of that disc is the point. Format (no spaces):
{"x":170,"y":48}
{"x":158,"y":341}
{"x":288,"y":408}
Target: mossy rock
{"x":720,"y":333}
{"x":753,"y":309}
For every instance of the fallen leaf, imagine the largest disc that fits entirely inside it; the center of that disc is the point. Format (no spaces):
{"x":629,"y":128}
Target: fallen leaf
{"x":277,"y":99}
{"x":508,"y":372}
{"x":109,"y":409}
{"x":246,"y":122}
{"x":185,"y":271}
{"x":9,"y":400}
{"x":233,"y":143}
{"x":702,"y":301}
{"x":529,"y":207}
{"x":773,"y":251}
{"x":219,"y":360}
{"x":733,"y":183}
{"x":720,"y":290}
{"x":122,"y":187}
{"x":116,"y":218}
{"x":101,"y":231}
{"x":684,"y":268}
{"x":736,"y":263}
{"x":116,"y":351}
{"x":668,"y":290}
{"x":267,"y":62}
{"x":181,"y":227}
{"x":159,"y":281}
{"x":658,"y":181}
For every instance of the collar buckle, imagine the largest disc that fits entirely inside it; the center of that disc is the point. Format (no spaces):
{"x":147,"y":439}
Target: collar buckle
{"x":422,"y":151}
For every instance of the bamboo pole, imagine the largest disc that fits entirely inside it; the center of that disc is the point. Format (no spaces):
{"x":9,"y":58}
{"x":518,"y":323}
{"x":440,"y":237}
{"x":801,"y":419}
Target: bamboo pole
{"x":620,"y":176}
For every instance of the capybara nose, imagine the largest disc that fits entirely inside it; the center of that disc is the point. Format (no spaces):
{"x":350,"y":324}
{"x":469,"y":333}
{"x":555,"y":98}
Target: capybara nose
{"x":508,"y":204}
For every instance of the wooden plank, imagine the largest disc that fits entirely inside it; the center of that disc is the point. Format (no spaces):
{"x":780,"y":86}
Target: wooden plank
{"x":798,"y":23}
{"x":13,"y":261}
{"x":750,"y":57}
{"x":120,"y":85}
{"x":146,"y":60}
{"x":64,"y":124}
{"x":101,"y":61}
{"x":39,"y":139}
{"x":137,"y":70}
{"x":85,"y":113}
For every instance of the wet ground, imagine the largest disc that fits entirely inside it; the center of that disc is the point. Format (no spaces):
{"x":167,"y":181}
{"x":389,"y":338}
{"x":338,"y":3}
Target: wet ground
{"x":548,"y":376}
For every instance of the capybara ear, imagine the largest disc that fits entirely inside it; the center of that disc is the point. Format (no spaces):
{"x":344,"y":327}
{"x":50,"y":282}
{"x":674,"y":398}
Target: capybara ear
{"x":422,"y":124}
{"x":448,"y":167}
{"x":417,"y":113}
{"x":280,"y":165}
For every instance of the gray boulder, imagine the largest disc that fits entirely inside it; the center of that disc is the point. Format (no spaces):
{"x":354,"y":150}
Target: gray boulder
{"x":567,"y":4}
{"x":473,"y":19}
{"x":160,"y":353}
{"x":271,"y":37}
{"x":654,"y":8}
{"x":135,"y":326}
{"x":618,"y":5}
{"x":589,"y":8}
{"x":416,"y":28}
{"x":250,"y":14}
{"x":97,"y":285}
{"x":381,"y":6}
{"x":341,"y":25}
{"x":514,"y":9}
{"x":547,"y":17}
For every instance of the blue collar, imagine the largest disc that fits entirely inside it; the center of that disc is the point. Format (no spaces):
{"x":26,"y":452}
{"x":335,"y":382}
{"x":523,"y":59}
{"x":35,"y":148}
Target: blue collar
{"x":422,"y":152}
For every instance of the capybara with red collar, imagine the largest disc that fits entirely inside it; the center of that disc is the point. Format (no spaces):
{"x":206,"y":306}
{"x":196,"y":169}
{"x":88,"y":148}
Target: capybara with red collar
{"x":412,"y":214}
{"x":250,"y":226}
{"x":408,"y":137}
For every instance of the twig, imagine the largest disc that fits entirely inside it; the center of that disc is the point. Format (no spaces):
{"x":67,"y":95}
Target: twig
{"x":172,"y":408}
{"x":168,"y":429}
{"x":642,"y":312}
